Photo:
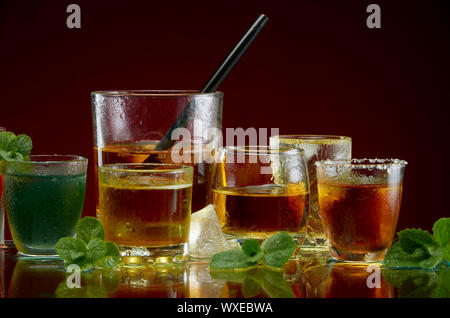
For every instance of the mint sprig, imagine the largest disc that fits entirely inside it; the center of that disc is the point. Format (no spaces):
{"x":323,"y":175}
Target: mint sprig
{"x":274,"y":252}
{"x":88,"y":249}
{"x":14,"y":147}
{"x":417,"y":248}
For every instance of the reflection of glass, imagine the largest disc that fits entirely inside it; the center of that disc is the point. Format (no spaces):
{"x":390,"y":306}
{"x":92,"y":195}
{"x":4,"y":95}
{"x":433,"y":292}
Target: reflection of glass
{"x":129,"y":124}
{"x":359,"y":204}
{"x":338,"y":280}
{"x":316,"y":147}
{"x":44,"y":199}
{"x":36,"y":278}
{"x":146,"y":208}
{"x":259,"y":191}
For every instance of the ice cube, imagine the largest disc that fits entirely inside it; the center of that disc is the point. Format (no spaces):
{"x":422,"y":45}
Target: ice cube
{"x":205,"y":235}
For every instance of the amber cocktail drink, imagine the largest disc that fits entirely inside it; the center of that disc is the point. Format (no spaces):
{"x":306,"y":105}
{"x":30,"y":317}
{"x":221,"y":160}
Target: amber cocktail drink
{"x":259,"y":191}
{"x":359,"y":204}
{"x":260,"y":211}
{"x":129,"y":124}
{"x":316,"y":147}
{"x":139,"y":152}
{"x":146,"y":208}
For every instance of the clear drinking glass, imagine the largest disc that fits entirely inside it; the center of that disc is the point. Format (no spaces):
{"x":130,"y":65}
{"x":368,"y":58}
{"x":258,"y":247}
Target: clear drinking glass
{"x":44,"y":200}
{"x":260,"y":190}
{"x":359,"y":203}
{"x":129,"y":124}
{"x":5,"y":239}
{"x":146,"y":209}
{"x":316,"y":147}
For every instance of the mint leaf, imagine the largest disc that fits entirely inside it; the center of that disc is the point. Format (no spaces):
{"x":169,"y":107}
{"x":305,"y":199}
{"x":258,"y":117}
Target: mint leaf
{"x":21,"y":144}
{"x":441,"y":231}
{"x":112,"y":249}
{"x":278,"y":249}
{"x":411,"y":239}
{"x":71,"y":249}
{"x":230,"y":275}
{"x":95,"y":249}
{"x":250,"y":247}
{"x":396,"y":257}
{"x":89,"y":249}
{"x":14,"y":147}
{"x":446,"y":251}
{"x":4,"y":155}
{"x":111,"y":257}
{"x":230,"y":260}
{"x":5,"y":139}
{"x":89,"y":228}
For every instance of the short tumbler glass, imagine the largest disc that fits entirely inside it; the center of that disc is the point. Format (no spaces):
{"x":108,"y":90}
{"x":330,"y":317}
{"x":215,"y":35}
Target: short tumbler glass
{"x":359,"y":203}
{"x":260,"y":190}
{"x":146,"y":210}
{"x":316,"y":148}
{"x":44,"y":200}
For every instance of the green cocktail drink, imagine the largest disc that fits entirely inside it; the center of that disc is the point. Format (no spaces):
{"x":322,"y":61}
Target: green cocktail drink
{"x":44,"y":200}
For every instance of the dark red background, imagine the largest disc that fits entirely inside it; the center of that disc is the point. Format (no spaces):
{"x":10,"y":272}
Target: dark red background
{"x":315,"y":68}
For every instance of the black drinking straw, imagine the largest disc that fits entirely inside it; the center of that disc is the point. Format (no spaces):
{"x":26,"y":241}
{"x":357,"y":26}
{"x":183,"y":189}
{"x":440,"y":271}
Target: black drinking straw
{"x":214,"y":82}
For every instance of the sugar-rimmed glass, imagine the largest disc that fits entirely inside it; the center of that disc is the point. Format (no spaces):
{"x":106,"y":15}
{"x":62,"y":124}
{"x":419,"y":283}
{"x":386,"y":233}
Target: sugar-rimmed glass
{"x":359,"y":203}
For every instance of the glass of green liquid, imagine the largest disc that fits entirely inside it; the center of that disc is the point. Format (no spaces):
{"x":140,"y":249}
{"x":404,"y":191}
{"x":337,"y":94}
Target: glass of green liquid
{"x":44,"y":200}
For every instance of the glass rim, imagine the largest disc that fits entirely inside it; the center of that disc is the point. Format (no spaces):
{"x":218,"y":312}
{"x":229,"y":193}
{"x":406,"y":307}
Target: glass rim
{"x":176,"y":168}
{"x":312,"y":137}
{"x":257,"y":150}
{"x":70,"y":159}
{"x":363,"y":163}
{"x":154,"y":93}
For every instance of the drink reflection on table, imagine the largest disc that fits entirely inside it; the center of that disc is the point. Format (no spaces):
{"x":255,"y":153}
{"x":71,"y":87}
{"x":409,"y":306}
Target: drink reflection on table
{"x":163,"y":282}
{"x":36,"y":278}
{"x":47,"y":278}
{"x":347,"y":280}
{"x":262,"y":282}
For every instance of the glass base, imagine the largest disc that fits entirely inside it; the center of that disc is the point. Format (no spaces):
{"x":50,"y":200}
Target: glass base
{"x":37,"y":252}
{"x":37,"y":256}
{"x":367,"y":257}
{"x":315,"y":242}
{"x":139,"y":256}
